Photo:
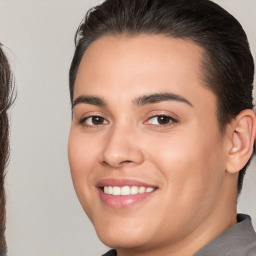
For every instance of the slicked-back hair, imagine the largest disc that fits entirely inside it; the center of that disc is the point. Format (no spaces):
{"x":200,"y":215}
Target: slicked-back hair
{"x":6,"y":99}
{"x":227,"y":66}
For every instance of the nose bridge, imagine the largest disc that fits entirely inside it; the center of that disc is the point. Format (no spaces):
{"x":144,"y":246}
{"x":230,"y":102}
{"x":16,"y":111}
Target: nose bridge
{"x":121,"y":147}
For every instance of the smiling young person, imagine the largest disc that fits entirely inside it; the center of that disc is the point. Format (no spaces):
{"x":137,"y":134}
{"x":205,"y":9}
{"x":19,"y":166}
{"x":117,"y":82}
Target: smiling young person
{"x":163,"y":127}
{"x":5,"y":103}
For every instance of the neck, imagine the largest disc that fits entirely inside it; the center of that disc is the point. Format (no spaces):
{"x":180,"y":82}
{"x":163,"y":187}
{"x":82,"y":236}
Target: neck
{"x":190,"y":244}
{"x":221,"y":217}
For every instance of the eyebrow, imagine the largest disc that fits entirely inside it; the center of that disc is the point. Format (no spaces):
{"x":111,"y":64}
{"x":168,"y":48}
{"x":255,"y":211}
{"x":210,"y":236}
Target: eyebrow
{"x":140,"y":101}
{"x":159,"y":97}
{"x":92,"y":100}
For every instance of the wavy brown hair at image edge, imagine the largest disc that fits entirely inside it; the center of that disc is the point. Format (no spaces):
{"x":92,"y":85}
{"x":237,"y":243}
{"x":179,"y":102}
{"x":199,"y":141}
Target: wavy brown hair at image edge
{"x":6,"y":99}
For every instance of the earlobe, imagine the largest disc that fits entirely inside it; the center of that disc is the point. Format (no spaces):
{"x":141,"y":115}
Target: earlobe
{"x":243,"y":135}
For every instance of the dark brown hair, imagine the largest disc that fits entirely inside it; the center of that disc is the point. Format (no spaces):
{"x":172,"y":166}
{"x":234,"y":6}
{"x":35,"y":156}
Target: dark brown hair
{"x":6,"y":93}
{"x":228,"y":66}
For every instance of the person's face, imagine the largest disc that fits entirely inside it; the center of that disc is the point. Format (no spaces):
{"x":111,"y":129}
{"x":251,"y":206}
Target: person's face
{"x":143,"y":120}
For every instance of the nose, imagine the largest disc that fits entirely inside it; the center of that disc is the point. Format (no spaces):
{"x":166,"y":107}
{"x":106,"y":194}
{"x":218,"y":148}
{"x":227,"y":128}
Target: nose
{"x":121,"y":149}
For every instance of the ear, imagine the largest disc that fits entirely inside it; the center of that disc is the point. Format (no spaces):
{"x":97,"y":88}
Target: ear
{"x":242,"y":140}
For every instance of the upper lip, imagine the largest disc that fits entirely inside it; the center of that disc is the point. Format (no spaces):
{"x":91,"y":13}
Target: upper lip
{"x":123,"y":182}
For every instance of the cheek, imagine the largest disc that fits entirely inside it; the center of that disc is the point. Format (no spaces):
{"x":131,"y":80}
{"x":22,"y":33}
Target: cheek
{"x":192,"y":166}
{"x":81,"y":153}
{"x":81,"y":161}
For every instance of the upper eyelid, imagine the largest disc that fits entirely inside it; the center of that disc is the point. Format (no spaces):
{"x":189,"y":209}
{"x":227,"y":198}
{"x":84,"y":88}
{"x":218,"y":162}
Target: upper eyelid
{"x":83,"y":115}
{"x":157,"y":115}
{"x":108,"y":118}
{"x":171,"y":118}
{"x":83,"y":123}
{"x":90,"y":116}
{"x":170,"y":115}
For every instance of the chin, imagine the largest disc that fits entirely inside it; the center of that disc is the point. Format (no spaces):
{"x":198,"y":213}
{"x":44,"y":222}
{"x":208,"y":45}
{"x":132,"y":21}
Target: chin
{"x":121,"y":237}
{"x":122,"y":242}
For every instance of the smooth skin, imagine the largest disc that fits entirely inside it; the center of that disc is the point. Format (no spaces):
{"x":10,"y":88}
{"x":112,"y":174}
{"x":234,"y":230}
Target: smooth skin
{"x":174,"y":144}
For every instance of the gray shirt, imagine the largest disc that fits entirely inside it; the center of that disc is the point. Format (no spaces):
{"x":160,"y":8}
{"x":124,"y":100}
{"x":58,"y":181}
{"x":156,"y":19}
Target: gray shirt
{"x":238,"y":240}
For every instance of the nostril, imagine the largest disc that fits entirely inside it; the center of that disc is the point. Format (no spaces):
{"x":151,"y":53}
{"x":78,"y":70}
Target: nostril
{"x":117,"y":164}
{"x":127,"y":161}
{"x":105,"y":163}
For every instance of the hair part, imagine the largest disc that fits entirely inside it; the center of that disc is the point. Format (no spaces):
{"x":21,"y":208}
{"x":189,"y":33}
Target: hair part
{"x":227,"y":66}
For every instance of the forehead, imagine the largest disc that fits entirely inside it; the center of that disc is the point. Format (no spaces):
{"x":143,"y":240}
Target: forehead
{"x":142,"y":64}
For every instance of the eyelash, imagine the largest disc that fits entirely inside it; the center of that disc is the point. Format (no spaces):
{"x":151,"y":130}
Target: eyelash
{"x":83,"y":121}
{"x":171,"y":120}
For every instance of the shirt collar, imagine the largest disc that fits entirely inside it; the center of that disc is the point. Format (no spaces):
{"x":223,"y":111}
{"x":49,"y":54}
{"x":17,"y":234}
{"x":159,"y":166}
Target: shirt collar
{"x":236,"y":240}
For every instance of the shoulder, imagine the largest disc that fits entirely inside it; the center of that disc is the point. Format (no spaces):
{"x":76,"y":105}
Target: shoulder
{"x":252,"y":251}
{"x":238,"y":240}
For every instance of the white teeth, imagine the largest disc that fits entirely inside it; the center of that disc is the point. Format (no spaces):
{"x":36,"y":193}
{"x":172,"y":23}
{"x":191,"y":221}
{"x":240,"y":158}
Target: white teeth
{"x":116,"y":191}
{"x":134,"y":190}
{"x":110,"y":190}
{"x":126,"y":190}
{"x":105,"y":190}
{"x":142,"y":190}
{"x":148,"y":190}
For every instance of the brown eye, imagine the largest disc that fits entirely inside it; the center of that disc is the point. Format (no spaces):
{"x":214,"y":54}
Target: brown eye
{"x":94,"y":120}
{"x":161,"y":120}
{"x":97,"y":120}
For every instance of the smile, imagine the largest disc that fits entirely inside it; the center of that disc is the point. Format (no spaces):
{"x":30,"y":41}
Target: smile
{"x":123,"y":193}
{"x":126,"y":190}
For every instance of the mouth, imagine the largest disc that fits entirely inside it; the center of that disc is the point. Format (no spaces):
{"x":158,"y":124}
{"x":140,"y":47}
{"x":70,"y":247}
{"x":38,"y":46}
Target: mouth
{"x":124,"y":193}
{"x":126,"y":190}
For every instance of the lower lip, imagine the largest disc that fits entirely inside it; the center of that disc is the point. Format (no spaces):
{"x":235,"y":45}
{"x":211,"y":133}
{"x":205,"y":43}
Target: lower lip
{"x":123,"y":201}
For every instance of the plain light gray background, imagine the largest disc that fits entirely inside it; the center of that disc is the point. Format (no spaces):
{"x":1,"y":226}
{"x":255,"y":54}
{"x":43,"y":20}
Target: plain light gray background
{"x":44,"y":215}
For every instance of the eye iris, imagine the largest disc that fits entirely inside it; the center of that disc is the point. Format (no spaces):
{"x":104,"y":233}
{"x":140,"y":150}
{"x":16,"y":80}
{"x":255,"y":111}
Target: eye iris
{"x":163,"y":119}
{"x":97,"y":120}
